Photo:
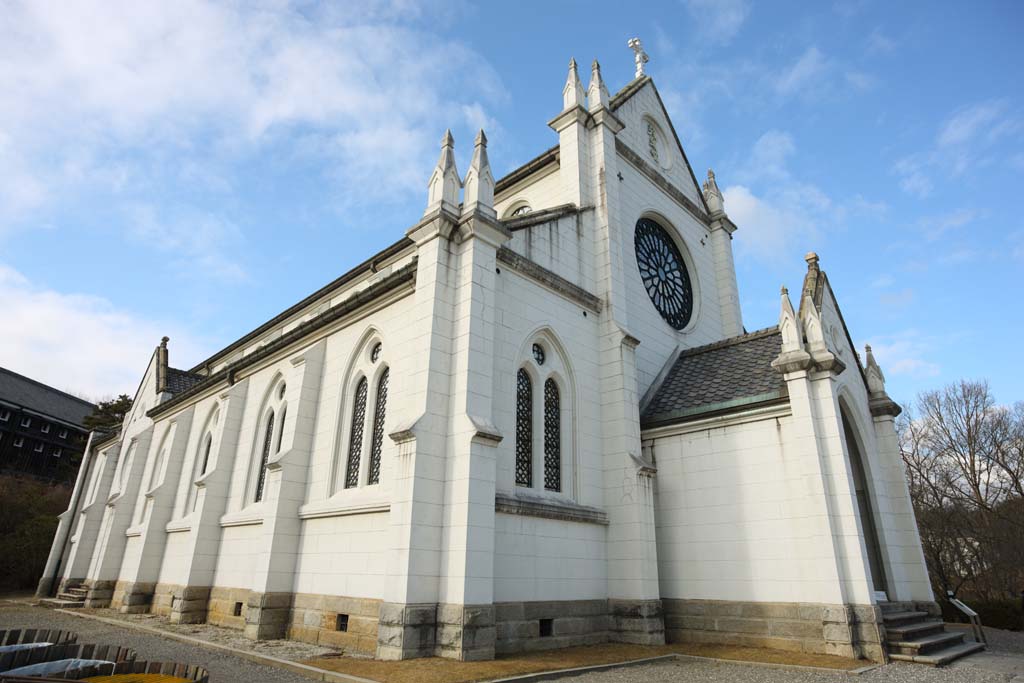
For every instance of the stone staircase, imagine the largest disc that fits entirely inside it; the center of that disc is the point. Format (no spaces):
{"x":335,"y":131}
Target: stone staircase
{"x":913,"y":636}
{"x":70,"y":597}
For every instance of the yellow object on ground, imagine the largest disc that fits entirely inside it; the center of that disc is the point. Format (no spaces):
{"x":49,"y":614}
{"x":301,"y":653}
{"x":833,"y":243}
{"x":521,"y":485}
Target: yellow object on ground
{"x":137,"y":678}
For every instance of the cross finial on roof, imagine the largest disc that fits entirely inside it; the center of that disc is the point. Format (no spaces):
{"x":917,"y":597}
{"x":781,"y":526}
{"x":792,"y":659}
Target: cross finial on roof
{"x":639,"y":56}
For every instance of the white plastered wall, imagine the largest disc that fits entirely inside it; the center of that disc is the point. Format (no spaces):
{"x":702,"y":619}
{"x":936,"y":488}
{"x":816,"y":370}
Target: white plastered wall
{"x":732,"y":513}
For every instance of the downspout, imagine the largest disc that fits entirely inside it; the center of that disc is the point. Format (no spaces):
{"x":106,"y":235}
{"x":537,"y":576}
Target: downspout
{"x":67,"y":519}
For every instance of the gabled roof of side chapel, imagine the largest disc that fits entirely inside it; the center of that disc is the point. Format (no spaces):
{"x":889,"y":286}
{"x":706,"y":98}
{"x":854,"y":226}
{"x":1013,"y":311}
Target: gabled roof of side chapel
{"x":727,"y":375}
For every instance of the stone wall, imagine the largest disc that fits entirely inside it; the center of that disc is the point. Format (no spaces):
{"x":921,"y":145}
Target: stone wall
{"x":841,"y":630}
{"x":315,"y":619}
{"x":221,"y":608}
{"x":573,"y":622}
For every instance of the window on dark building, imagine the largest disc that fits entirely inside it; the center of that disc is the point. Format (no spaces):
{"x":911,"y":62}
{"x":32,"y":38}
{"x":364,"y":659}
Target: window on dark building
{"x":26,"y":422}
{"x":39,"y":448}
{"x":45,"y":428}
{"x":5,"y":415}
{"x":63,"y":434}
{"x":19,"y":442}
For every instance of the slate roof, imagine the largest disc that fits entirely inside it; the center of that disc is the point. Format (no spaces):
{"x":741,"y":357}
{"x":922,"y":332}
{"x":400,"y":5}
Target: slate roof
{"x":40,"y":398}
{"x":179,"y":381}
{"x":726,"y":375}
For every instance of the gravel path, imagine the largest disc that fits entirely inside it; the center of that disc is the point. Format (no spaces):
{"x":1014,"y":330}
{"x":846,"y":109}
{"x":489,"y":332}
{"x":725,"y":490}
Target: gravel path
{"x":227,"y":668}
{"x":713,"y":672}
{"x":223,"y":667}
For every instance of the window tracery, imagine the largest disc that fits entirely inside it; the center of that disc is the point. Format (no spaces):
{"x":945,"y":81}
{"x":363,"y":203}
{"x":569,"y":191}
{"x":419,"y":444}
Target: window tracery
{"x":367,"y":412}
{"x":542,"y":443}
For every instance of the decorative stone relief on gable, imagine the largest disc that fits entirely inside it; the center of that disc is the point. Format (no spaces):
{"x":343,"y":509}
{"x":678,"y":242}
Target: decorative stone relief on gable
{"x":657,"y":147}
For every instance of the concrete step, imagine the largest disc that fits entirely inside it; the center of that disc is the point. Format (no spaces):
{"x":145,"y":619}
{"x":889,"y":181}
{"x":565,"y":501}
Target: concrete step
{"x":70,"y":596}
{"x":903,"y":618}
{"x":77,"y":591}
{"x":941,"y":657}
{"x":59,"y":603}
{"x":912,"y":631}
{"x":926,"y":644}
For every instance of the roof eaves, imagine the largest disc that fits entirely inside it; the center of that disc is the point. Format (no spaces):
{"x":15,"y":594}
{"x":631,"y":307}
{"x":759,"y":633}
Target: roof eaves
{"x":345,"y":278}
{"x":712,"y":409}
{"x":394,"y":280}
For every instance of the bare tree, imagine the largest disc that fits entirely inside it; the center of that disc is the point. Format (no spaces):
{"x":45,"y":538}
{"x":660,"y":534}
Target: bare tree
{"x":964,"y":456}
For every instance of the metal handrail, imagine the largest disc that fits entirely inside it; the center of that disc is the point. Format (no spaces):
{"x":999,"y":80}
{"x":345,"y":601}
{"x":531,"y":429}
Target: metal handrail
{"x":972,"y":617}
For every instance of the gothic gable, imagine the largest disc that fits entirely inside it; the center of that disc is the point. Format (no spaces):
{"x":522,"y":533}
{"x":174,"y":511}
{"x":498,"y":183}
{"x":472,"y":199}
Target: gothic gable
{"x":650,"y":134}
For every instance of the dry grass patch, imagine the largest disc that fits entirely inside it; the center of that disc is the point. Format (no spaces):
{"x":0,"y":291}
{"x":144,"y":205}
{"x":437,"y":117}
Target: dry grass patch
{"x":439,"y":670}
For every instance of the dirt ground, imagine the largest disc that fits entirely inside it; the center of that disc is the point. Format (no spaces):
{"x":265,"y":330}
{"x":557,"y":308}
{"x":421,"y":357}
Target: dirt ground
{"x":438,"y":670}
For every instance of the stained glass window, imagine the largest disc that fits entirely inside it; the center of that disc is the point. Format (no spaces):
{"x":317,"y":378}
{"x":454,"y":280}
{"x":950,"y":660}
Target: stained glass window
{"x":524,"y":429}
{"x":355,"y":442}
{"x":552,"y":437}
{"x":663,"y":273}
{"x":538,"y":354}
{"x":378,"y":428}
{"x":268,"y":437}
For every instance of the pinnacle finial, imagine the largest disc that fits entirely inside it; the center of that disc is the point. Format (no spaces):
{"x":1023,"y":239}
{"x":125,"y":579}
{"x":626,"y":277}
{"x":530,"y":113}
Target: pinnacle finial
{"x":443,"y":187}
{"x":867,"y":349}
{"x":479,"y":183}
{"x":639,"y":56}
{"x":163,"y":341}
{"x":812,"y":260}
{"x":597,"y":92}
{"x":785,"y":291}
{"x":712,"y":195}
{"x":572,"y":94}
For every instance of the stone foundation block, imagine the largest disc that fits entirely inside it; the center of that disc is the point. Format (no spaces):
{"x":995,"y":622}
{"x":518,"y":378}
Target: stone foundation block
{"x":637,"y":621}
{"x":406,"y":631}
{"x":267,"y":615}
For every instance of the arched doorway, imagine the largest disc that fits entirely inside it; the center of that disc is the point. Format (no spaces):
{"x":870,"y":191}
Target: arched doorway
{"x":867,"y":517}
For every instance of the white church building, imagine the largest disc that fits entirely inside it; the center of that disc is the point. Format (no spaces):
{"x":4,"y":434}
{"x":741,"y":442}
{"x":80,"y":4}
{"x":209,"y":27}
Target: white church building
{"x":536,"y":420}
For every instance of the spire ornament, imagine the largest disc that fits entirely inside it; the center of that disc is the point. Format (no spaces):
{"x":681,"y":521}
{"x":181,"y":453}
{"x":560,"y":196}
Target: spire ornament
{"x":572,"y":94}
{"x":443,"y":188}
{"x":639,"y":56}
{"x":597,"y":92}
{"x":479,"y":184}
{"x":712,"y":195}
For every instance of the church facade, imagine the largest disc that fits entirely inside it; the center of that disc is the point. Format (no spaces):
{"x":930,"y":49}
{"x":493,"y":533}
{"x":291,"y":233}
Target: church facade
{"x":535,"y":420}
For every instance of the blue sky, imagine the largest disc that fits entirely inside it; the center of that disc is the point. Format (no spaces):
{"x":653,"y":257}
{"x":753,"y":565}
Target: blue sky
{"x":191,"y":168}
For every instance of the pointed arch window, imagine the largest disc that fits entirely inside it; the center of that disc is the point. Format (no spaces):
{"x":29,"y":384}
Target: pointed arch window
{"x":552,"y":437}
{"x":377,"y":444}
{"x":268,"y":437}
{"x":355,"y":443}
{"x":360,"y":459}
{"x":206,"y":454}
{"x":544,"y":444}
{"x":524,"y":429}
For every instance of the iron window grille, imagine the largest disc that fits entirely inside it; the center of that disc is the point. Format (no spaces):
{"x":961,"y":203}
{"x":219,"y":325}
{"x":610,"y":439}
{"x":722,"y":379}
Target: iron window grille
{"x":552,"y":437}
{"x":355,"y":443}
{"x":524,"y":429}
{"x":261,"y":478}
{"x":377,"y":443}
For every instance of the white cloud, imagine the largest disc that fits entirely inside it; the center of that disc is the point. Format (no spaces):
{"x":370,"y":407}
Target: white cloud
{"x":935,"y":227}
{"x":971,"y":138}
{"x":883,"y":281}
{"x":904,"y":353}
{"x":80,"y":343}
{"x":769,"y":156}
{"x":963,"y":126}
{"x":780,"y":215}
{"x":900,"y":299}
{"x":195,"y":240}
{"x":721,"y":19}
{"x":98,"y":82}
{"x":805,"y":72}
{"x":878,"y":43}
{"x":913,"y":179}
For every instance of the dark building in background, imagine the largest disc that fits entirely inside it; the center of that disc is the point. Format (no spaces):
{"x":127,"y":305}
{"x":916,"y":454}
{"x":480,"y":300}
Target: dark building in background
{"x":41,"y":432}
